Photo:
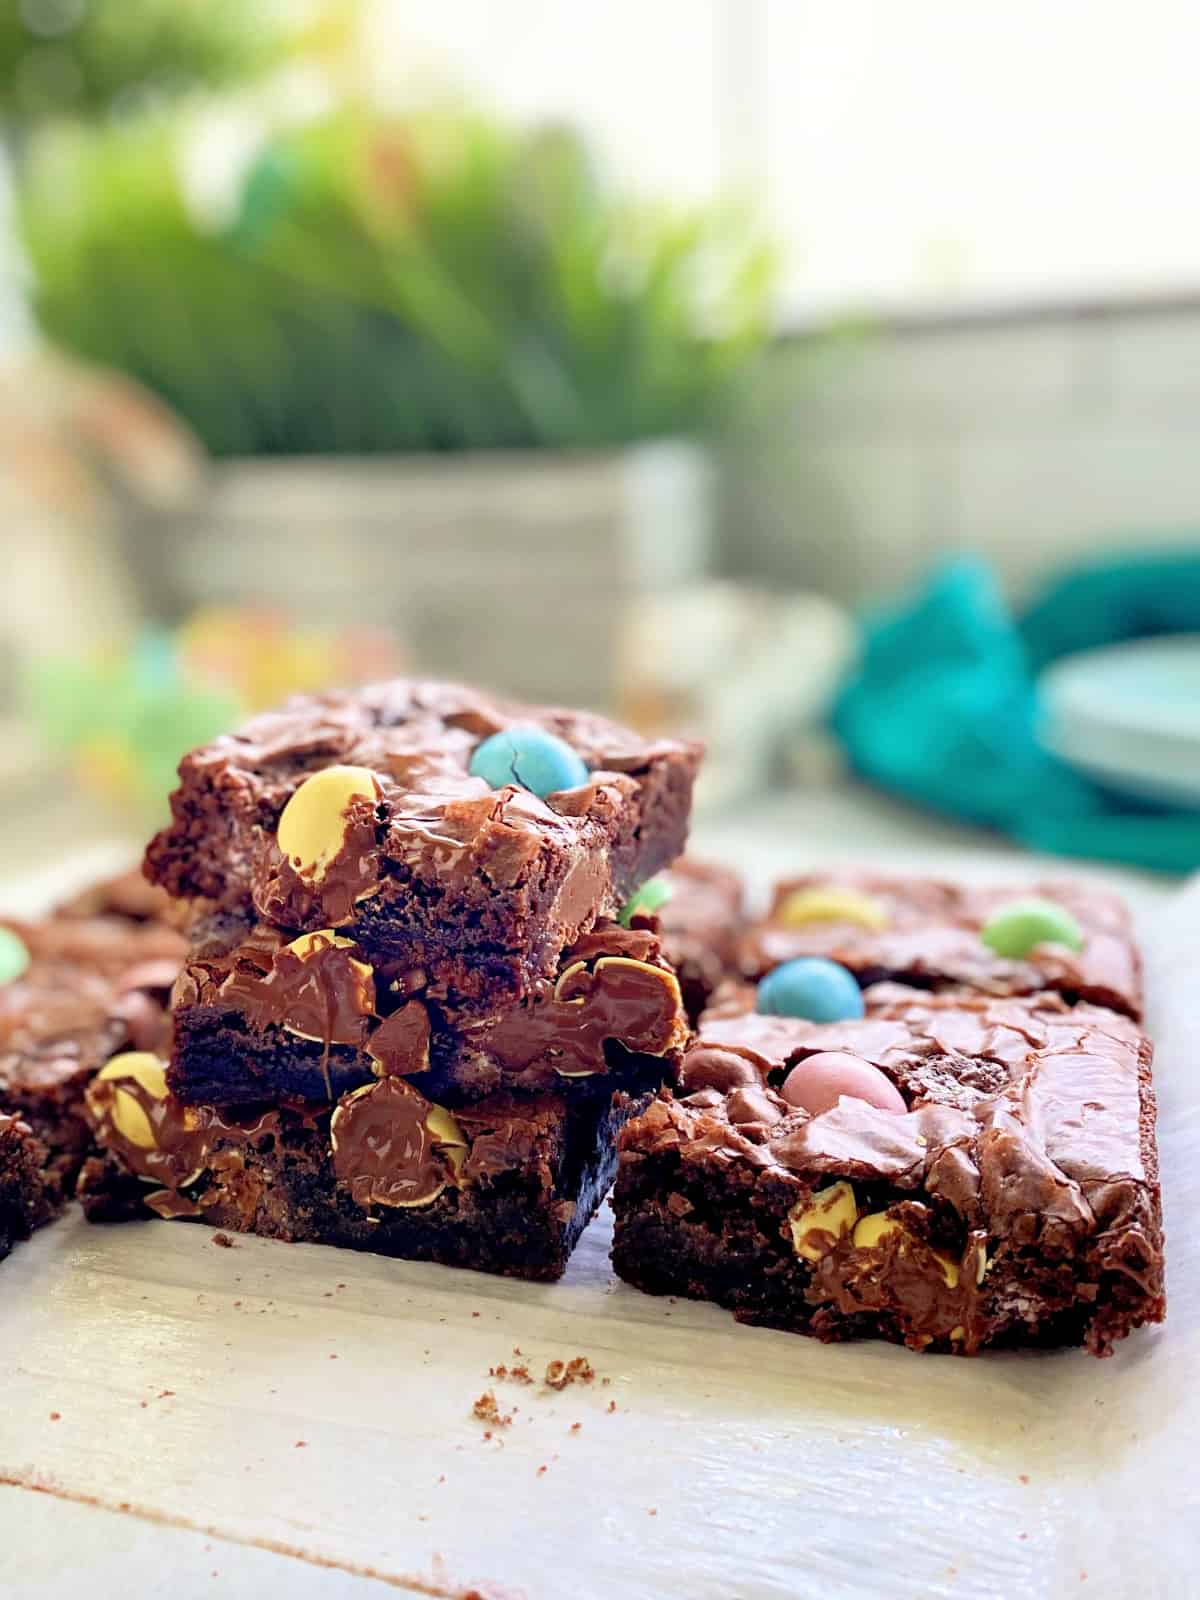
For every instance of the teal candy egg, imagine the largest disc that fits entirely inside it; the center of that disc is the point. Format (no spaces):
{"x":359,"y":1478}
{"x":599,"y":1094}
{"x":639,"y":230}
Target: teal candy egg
{"x":813,"y":988}
{"x":531,"y":758}
{"x":14,"y":957}
{"x":1018,"y":928}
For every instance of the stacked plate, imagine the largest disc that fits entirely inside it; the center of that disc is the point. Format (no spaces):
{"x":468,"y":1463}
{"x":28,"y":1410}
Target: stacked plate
{"x":1129,"y":716}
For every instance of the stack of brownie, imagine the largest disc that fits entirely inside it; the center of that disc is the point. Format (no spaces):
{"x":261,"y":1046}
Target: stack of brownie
{"x":83,"y":984}
{"x":963,"y":1158}
{"x":419,"y":1003}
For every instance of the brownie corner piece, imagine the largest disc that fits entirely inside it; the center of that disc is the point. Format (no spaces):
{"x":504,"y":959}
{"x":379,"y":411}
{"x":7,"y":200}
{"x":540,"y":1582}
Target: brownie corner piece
{"x":1013,"y":1200}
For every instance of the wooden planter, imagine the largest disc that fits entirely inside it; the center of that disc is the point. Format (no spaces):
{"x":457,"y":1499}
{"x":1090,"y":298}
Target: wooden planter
{"x":516,"y":570}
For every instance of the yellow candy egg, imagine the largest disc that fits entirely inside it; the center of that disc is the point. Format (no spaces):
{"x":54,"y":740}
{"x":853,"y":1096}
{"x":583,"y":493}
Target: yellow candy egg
{"x":805,"y":906}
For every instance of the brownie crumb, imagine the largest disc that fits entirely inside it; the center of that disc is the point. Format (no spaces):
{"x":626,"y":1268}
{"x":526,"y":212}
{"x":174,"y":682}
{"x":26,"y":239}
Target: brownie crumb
{"x":301,"y":1444}
{"x":56,"y":1416}
{"x":652,"y":1511}
{"x":576,"y":1427}
{"x":541,"y":1471}
{"x":223,"y":1240}
{"x":560,"y":1373}
{"x":487,"y":1410}
{"x":612,"y":1406}
{"x":508,"y":1374}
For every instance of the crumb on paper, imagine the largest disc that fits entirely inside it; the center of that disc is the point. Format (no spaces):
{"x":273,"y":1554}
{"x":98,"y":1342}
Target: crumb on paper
{"x":56,"y":1416}
{"x":541,"y":1471}
{"x":486,"y":1409}
{"x":223,"y":1240}
{"x":612,"y":1406}
{"x":517,"y":1350}
{"x":301,"y":1444}
{"x":576,"y":1427}
{"x":1022,"y":1477}
{"x":507,"y":1374}
{"x":651,"y":1511}
{"x":560,"y":1373}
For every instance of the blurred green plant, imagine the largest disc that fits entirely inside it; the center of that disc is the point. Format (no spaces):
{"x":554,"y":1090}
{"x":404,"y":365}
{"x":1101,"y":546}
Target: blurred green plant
{"x":85,"y":58}
{"x":440,"y":281}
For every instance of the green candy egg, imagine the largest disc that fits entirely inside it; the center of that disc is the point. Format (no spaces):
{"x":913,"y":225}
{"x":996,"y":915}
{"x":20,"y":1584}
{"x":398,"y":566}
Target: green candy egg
{"x":655,"y":892}
{"x":14,"y":958}
{"x":1018,"y":928}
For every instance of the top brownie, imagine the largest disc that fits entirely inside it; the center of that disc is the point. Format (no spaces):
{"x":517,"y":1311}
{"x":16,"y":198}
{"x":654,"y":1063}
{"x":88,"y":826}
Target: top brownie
{"x":925,"y":933}
{"x":478,"y":889}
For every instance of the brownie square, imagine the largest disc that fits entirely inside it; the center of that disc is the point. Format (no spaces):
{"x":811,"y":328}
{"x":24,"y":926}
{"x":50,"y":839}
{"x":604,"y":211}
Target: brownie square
{"x":928,"y":936}
{"x":259,"y":1015}
{"x":95,"y":985}
{"x":24,"y":1201}
{"x":1013,"y":1201}
{"x":476,"y":890}
{"x":503,"y":1185}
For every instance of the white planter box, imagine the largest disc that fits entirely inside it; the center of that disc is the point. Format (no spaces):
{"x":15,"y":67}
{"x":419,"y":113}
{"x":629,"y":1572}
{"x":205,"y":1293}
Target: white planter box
{"x":515,"y":570}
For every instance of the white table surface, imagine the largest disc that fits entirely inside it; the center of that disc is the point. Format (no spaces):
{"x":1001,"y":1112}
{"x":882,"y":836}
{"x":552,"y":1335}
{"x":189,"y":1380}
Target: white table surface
{"x":738,"y":1463}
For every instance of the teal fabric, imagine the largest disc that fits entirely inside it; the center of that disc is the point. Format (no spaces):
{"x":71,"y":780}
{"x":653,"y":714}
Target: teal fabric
{"x":942,"y":705}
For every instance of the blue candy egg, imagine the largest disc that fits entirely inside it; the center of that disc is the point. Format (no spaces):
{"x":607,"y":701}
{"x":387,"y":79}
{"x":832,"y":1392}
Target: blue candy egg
{"x":810,"y":987}
{"x":530,"y":758}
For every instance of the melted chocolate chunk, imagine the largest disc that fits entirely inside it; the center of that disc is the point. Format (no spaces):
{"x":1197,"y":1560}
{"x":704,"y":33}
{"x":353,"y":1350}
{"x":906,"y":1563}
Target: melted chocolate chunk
{"x":316,"y":987}
{"x":388,"y":1150}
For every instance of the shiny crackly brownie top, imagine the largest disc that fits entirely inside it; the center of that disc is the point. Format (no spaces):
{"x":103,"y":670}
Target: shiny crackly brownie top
{"x":92,"y":985}
{"x":927,"y":932}
{"x":423,"y":817}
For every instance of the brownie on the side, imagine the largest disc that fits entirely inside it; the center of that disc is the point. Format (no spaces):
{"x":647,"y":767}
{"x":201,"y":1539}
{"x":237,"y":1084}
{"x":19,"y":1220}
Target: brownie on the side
{"x":126,"y":895}
{"x":700,"y":926}
{"x":503,"y":1185}
{"x":477,"y":890}
{"x":926,"y":933}
{"x":953,"y":1172}
{"x":24,"y":1201}
{"x":93,"y":986}
{"x":264,"y":1015}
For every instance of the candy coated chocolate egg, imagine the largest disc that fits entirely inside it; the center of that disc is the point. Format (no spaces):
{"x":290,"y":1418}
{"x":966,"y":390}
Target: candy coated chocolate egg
{"x":804,"y":907}
{"x":531,"y":758}
{"x":653,"y":894}
{"x":811,"y":987}
{"x":14,"y":957}
{"x":1018,"y":928}
{"x":708,"y":1067}
{"x":818,"y":1082}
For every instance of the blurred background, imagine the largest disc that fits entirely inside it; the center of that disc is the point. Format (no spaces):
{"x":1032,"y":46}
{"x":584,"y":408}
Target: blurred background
{"x":820,"y":379}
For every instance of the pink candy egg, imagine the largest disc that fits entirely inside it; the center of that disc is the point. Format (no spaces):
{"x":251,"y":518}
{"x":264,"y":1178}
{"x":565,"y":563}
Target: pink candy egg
{"x":818,"y":1082}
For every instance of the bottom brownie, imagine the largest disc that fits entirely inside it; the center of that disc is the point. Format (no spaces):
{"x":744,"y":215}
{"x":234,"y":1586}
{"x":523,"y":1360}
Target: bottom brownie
{"x":951,"y":1172}
{"x":24,"y":1202}
{"x":503,"y":1185}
